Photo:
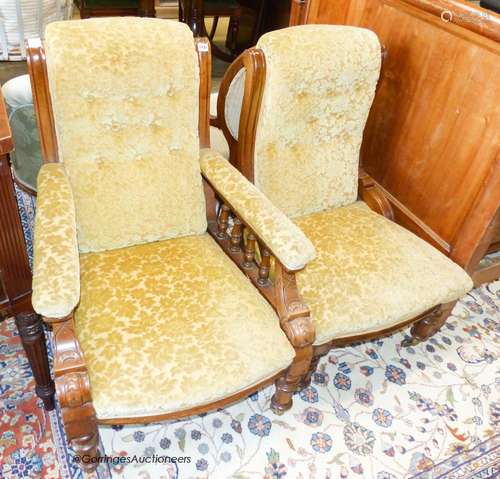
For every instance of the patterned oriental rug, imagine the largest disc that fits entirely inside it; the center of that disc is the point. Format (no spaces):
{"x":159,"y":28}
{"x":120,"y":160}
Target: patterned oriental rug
{"x":373,"y":410}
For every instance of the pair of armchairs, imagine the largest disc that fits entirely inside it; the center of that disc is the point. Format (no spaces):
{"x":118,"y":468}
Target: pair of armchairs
{"x":172,"y":283}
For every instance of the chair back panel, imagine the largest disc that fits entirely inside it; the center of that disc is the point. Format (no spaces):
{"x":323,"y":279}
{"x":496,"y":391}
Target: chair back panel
{"x":124,"y":93}
{"x":320,"y":84}
{"x":234,"y":102}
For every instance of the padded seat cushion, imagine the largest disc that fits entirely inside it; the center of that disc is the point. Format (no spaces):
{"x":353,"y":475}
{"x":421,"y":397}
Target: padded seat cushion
{"x":171,"y":325}
{"x":370,"y":273}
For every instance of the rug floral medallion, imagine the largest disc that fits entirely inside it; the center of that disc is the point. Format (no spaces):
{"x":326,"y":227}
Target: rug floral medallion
{"x":374,"y":410}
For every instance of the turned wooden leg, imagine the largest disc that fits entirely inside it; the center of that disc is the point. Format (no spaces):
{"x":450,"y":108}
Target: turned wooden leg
{"x":430,"y":324}
{"x":233,"y":29}
{"x":30,"y":326}
{"x":287,"y":384}
{"x":86,"y":448}
{"x":306,"y":380}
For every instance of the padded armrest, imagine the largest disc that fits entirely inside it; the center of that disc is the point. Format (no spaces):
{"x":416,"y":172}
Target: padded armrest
{"x":285,"y":240}
{"x":56,"y":265}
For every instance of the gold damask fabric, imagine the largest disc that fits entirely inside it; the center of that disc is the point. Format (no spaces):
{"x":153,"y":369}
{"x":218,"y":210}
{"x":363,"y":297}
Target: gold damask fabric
{"x":56,"y":267}
{"x":320,"y":84}
{"x":371,"y":273}
{"x":287,"y":242}
{"x":171,"y":325}
{"x":127,"y":132}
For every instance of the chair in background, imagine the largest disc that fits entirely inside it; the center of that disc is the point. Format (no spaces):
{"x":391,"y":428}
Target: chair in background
{"x":293,"y":111}
{"x":151,"y":317}
{"x":193,"y":12}
{"x":26,"y":159}
{"x":109,"y":8}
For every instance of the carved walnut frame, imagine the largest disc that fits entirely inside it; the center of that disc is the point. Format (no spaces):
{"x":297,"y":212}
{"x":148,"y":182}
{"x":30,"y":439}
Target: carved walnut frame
{"x":241,"y":153}
{"x":70,"y":372}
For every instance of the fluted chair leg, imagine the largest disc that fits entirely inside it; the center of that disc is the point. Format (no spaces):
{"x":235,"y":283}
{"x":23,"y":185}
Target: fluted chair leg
{"x":30,"y":326}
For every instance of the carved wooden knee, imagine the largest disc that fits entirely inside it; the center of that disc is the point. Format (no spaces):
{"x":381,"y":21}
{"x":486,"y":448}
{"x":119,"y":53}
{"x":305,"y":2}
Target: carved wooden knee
{"x":30,"y":327}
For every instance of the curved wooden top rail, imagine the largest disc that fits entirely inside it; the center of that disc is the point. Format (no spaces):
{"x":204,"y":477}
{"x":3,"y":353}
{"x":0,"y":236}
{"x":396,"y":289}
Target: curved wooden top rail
{"x":6,"y":143}
{"x":466,"y":15}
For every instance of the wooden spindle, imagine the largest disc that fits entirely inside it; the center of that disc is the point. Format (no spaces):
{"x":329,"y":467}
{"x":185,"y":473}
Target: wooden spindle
{"x":236,"y":234}
{"x":264,"y":267}
{"x":249,"y":255}
{"x":223,"y":221}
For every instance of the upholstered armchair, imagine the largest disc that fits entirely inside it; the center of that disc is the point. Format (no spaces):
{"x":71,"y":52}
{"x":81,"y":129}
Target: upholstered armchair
{"x":157,"y":310}
{"x":293,"y":111}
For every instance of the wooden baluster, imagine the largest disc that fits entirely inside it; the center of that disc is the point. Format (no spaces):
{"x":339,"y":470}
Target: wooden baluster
{"x":223,"y":221}
{"x":249,"y":256}
{"x":264,"y":268}
{"x":236,"y":234}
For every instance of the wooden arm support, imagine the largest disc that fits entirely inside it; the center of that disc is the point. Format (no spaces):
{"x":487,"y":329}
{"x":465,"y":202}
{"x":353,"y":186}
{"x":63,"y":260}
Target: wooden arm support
{"x":372,"y":196}
{"x":281,"y":290}
{"x":73,"y":388}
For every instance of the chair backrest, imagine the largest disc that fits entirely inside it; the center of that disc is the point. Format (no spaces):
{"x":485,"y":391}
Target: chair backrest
{"x":319,"y":86}
{"x":124,"y":94}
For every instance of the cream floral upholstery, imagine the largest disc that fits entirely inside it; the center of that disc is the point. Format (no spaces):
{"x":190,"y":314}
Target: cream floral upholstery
{"x":171,"y":325}
{"x":320,"y":83}
{"x":234,"y":103}
{"x":371,"y":273}
{"x":287,"y":242}
{"x":56,"y":268}
{"x":125,"y":192}
{"x":218,"y":142}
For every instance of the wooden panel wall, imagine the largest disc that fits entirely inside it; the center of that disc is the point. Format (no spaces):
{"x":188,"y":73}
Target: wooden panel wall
{"x":433,"y":136}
